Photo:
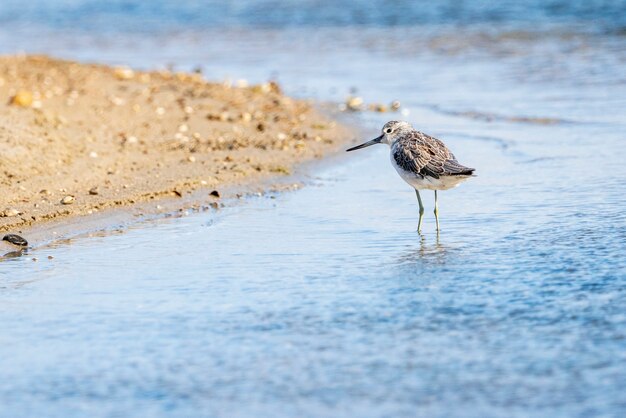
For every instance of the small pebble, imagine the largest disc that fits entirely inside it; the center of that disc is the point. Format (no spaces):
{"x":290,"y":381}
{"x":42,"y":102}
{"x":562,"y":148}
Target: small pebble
{"x":67,"y":200}
{"x":215,"y":193}
{"x":354,"y":103}
{"x":10,"y":213}
{"x":117,"y":101}
{"x":94,"y":191}
{"x":124,"y":73}
{"x":22,"y":98}
{"x":380,"y":108}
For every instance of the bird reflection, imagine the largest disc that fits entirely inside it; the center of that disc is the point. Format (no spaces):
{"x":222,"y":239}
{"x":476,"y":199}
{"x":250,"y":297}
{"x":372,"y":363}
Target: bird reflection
{"x":426,"y":250}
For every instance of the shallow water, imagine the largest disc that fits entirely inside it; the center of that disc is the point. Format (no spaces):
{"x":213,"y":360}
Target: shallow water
{"x":325,"y":301}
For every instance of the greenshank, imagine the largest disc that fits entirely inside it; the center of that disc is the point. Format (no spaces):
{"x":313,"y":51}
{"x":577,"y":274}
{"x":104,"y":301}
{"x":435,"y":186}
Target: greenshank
{"x":424,"y":162}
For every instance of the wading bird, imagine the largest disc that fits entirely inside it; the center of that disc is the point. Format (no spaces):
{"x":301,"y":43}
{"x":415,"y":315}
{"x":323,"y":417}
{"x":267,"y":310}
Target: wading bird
{"x":423,"y":161}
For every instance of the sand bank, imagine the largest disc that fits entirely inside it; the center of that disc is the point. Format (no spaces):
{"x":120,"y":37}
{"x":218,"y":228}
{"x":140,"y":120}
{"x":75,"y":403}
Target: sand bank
{"x":77,"y":139}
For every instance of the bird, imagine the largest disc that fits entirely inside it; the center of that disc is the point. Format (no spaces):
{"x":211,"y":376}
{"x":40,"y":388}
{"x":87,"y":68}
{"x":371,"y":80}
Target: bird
{"x":421,"y":160}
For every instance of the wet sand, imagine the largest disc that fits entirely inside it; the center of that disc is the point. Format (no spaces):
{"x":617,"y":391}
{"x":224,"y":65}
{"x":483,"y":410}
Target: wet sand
{"x":77,"y":139}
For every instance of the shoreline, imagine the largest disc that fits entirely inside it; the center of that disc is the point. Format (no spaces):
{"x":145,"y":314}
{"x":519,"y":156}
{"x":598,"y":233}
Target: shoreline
{"x":119,"y":218}
{"x":80,"y":141}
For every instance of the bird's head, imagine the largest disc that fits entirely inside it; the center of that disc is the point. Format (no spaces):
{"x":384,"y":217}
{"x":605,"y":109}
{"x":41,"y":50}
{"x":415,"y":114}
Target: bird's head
{"x":391,"y":132}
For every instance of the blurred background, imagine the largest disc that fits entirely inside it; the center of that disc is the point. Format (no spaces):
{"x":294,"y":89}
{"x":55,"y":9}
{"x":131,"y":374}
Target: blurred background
{"x":319,"y":47}
{"x":324,"y":302}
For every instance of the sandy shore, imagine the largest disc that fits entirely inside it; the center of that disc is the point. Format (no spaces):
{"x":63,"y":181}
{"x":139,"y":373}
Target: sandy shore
{"x":78,"y":139}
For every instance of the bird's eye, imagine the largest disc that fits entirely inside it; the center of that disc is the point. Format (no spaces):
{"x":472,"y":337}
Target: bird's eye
{"x":388,"y":130}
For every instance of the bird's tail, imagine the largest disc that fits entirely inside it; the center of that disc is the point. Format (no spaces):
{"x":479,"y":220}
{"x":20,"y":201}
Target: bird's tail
{"x":453,"y":168}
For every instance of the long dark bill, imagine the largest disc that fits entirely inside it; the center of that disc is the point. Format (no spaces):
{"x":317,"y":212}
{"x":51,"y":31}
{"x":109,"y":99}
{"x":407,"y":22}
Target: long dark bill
{"x":367,"y":144}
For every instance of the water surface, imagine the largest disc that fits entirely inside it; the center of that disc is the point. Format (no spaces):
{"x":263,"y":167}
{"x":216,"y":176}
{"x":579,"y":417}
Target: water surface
{"x":325,"y":301}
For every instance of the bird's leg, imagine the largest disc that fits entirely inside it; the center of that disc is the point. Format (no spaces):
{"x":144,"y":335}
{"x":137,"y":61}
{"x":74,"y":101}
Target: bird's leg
{"x":436,"y":212}
{"x":419,"y":223}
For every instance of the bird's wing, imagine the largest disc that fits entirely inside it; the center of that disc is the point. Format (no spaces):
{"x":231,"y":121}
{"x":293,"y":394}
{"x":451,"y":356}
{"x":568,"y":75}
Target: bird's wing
{"x":454,"y":168}
{"x":422,"y":154}
{"x":425,"y":155}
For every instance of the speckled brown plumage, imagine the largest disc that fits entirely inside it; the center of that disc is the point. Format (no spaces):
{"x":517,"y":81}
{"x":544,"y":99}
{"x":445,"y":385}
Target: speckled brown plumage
{"x":423,"y":162}
{"x":425,"y":156}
